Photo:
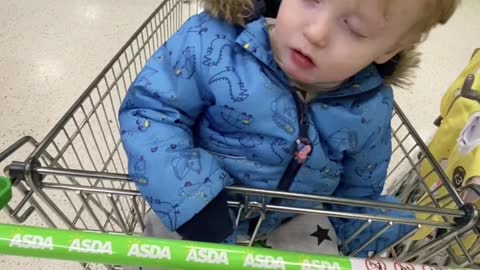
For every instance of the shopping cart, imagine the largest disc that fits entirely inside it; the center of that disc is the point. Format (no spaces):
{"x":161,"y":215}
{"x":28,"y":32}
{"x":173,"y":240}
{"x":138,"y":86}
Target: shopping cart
{"x":75,"y":180}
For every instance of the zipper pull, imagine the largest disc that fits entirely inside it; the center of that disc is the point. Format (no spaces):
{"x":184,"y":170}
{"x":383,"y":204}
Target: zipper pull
{"x":304,"y":149}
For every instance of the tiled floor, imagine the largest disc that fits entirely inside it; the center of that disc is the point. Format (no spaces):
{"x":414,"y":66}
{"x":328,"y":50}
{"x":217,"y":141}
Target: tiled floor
{"x":51,"y":50}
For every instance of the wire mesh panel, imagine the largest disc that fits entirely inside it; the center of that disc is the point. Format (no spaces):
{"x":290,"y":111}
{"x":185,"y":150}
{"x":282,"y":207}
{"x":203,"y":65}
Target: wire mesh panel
{"x":78,"y":172}
{"x":87,"y":138}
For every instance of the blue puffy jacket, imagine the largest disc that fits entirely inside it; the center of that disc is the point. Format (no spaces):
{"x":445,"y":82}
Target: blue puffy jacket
{"x":212,"y":109}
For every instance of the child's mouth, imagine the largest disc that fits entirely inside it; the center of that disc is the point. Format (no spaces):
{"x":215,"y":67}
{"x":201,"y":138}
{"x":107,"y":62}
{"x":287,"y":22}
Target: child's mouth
{"x":301,"y":60}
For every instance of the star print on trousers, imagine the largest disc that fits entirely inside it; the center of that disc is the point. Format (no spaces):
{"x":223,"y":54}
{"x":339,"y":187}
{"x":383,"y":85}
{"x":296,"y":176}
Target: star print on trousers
{"x":321,"y":235}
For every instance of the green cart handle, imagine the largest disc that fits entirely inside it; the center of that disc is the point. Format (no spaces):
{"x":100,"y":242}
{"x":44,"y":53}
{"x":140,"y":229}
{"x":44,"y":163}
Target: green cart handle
{"x":5,"y":191}
{"x":124,"y":250}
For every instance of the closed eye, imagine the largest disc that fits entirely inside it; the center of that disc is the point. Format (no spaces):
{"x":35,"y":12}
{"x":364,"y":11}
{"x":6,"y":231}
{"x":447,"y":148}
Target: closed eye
{"x":353,"y":31}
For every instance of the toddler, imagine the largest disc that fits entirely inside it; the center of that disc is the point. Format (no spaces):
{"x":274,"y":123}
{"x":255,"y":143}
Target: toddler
{"x":302,"y":103}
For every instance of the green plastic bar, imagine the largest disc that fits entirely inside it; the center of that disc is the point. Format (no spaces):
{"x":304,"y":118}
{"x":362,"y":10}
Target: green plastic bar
{"x":5,"y":191}
{"x":126,"y":250}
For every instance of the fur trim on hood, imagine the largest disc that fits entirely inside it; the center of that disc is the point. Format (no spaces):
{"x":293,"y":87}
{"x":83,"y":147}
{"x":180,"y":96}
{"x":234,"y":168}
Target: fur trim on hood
{"x":232,"y":11}
{"x":399,"y":71}
{"x":404,"y":72}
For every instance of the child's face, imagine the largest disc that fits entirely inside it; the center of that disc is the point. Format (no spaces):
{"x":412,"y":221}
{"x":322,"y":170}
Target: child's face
{"x":328,"y":41}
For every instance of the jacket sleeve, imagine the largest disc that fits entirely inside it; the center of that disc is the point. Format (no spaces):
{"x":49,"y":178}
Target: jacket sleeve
{"x":182,"y":183}
{"x":364,"y":175}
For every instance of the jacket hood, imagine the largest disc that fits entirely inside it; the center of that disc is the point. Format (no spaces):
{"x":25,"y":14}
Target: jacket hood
{"x":398,"y":71}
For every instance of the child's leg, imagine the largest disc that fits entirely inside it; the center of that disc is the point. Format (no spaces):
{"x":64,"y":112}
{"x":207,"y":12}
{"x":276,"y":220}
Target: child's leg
{"x":307,"y":234}
{"x":155,"y":228}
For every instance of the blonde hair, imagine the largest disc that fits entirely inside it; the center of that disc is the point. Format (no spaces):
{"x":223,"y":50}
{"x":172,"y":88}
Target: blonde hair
{"x":436,"y":12}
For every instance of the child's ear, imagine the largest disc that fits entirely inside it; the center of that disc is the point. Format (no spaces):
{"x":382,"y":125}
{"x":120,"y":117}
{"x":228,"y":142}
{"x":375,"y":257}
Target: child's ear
{"x":408,"y":43}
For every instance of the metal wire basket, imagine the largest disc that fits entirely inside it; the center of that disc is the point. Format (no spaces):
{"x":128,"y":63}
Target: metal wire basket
{"x":76,"y":177}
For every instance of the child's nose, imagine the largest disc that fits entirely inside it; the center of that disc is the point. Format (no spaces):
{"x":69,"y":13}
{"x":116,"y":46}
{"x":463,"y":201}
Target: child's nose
{"x":318,"y":31}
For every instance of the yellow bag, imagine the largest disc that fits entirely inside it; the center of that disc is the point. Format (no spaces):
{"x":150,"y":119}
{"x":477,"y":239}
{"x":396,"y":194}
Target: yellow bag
{"x":456,"y":145}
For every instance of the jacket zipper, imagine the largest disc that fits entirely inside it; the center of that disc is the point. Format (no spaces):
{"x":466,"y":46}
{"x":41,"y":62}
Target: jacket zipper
{"x":303,"y":151}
